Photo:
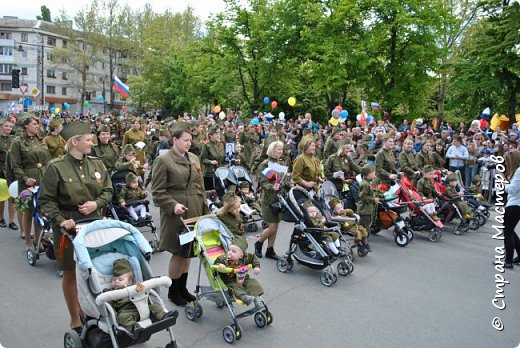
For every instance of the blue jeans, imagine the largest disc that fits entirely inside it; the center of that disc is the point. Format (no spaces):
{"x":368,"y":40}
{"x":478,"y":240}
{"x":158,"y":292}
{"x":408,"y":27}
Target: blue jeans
{"x":453,"y":169}
{"x":470,"y":172}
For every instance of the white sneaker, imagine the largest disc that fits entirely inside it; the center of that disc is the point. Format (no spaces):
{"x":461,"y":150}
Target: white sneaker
{"x":482,"y":208}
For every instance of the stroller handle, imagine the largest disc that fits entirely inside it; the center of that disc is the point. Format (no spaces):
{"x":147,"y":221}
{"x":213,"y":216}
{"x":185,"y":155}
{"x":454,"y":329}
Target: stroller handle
{"x":131,"y":290}
{"x":230,"y":269}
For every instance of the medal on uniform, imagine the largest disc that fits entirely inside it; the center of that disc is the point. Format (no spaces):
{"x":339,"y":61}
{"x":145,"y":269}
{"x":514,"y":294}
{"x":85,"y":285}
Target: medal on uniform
{"x":97,"y":175}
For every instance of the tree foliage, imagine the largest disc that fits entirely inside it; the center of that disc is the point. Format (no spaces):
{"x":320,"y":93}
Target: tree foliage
{"x":45,"y":14}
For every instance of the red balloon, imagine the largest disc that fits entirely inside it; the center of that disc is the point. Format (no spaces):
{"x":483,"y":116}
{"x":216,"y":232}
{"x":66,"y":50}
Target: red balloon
{"x":123,"y":107}
{"x":274,"y":104}
{"x":483,"y":123}
{"x":339,"y":108}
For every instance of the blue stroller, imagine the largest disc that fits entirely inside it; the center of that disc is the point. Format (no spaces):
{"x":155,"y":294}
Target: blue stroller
{"x":97,"y":245}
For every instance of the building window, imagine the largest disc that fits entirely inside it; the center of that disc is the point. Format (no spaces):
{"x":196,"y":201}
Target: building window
{"x":51,"y":89}
{"x":6,"y":68}
{"x":24,"y":71}
{"x":50,"y":57}
{"x":6,"y":36}
{"x":51,"y":73}
{"x":93,"y":94}
{"x":64,"y":76}
{"x":24,"y":54}
{"x":63,"y":90}
{"x":6,"y":51}
{"x":51,"y":41}
{"x":5,"y":86}
{"x":25,"y":37}
{"x":64,"y":44}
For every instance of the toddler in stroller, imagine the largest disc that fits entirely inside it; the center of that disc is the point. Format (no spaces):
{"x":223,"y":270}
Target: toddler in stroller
{"x":229,"y":214}
{"x":331,"y":239}
{"x":97,"y":246}
{"x":349,"y":224}
{"x":131,"y":198}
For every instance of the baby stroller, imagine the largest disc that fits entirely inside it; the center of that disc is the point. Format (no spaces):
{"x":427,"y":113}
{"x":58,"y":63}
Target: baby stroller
{"x":45,"y":243}
{"x":117,"y":212}
{"x":241,"y":174}
{"x":96,"y":246}
{"x":326,"y":192}
{"x":211,"y":240}
{"x":418,"y":219}
{"x":318,"y":257}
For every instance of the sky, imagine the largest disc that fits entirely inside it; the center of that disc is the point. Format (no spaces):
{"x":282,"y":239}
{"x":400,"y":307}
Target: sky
{"x":29,"y":9}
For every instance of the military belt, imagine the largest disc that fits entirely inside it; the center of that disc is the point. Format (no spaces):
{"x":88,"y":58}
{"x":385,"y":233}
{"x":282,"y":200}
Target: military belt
{"x":34,"y":165}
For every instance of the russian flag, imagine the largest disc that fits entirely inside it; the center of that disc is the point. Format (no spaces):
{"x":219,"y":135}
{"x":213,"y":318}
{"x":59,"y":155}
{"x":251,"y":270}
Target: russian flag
{"x":269,"y":173}
{"x":121,"y":87}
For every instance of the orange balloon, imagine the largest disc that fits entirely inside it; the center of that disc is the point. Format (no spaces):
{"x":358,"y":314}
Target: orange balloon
{"x":217,"y":109}
{"x":274,"y":104}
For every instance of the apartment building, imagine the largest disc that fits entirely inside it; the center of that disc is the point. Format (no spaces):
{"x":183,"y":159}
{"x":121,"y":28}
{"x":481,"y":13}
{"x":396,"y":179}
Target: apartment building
{"x":45,"y":82}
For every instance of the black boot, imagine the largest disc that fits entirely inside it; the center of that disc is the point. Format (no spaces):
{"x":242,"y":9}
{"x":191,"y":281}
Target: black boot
{"x":271,"y":254}
{"x":258,"y":249}
{"x":182,"y":288}
{"x":174,"y":293}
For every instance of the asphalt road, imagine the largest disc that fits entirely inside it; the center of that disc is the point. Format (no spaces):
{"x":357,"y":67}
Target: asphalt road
{"x":424,"y":295}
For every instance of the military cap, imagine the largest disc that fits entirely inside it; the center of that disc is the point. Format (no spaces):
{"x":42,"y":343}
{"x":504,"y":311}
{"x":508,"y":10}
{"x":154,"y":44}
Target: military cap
{"x":180,"y":126}
{"x":20,"y":118}
{"x":308,"y":143}
{"x":428,"y":169}
{"x":75,"y":128}
{"x":121,"y":266}
{"x":387,"y":137}
{"x":4,"y":120}
{"x":103,"y":128}
{"x":333,"y":202}
{"x":128,"y":149}
{"x":213,"y":130}
{"x":336,"y":131}
{"x":367,"y":169}
{"x":130,"y":177}
{"x":243,"y":184}
{"x":229,"y":198}
{"x":164,"y":133}
{"x":476,"y":180}
{"x":54,"y":124}
{"x":451,"y":177}
{"x":278,"y":126}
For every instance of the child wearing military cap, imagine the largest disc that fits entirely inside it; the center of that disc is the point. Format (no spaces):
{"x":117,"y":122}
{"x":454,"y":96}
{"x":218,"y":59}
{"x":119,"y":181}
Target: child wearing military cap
{"x":133,"y":192}
{"x":427,"y":191}
{"x":244,"y":288}
{"x":128,"y":161}
{"x":331,"y":239}
{"x":452,"y":193}
{"x":248,"y":196}
{"x":126,"y":312}
{"x":350,"y":227}
{"x":367,"y":206}
{"x":229,"y":214}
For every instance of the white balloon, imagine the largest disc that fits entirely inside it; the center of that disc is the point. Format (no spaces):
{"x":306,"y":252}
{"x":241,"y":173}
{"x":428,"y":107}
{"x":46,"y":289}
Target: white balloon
{"x":281,"y":116}
{"x":13,"y":189}
{"x":358,"y":117}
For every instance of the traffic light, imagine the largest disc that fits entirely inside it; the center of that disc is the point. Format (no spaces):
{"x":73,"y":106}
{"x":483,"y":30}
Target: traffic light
{"x":15,"y":81}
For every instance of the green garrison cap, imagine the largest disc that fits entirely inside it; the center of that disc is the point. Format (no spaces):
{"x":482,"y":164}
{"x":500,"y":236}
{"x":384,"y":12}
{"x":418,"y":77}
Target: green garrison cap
{"x":75,"y":128}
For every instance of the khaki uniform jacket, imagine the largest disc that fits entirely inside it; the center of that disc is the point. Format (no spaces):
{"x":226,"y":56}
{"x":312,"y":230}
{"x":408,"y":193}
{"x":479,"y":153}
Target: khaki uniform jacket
{"x":197,"y":143}
{"x":29,"y":157}
{"x":337,"y":163}
{"x":424,"y":159}
{"x":438,"y":161}
{"x":129,"y":195}
{"x":236,"y":227}
{"x":366,"y":205}
{"x":177,"y":179}
{"x":230,"y":137}
{"x":123,"y":164}
{"x":108,"y":153}
{"x":249,"y":141}
{"x":5,"y":147}
{"x":56,"y":145}
{"x":307,"y":167}
{"x":69,"y":182}
{"x":268,"y":195}
{"x":425,"y":188}
{"x":251,"y":285}
{"x":212,"y":152}
{"x":408,"y":164}
{"x":133,"y":137}
{"x":385,"y":165}
{"x":331,"y":148}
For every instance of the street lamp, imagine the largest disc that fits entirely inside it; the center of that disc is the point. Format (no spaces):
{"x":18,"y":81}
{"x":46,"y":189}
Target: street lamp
{"x":41,"y":59}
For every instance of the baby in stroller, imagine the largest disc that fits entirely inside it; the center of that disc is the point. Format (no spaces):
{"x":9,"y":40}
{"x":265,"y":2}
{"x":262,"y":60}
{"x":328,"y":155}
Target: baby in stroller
{"x":244,"y":288}
{"x":331,"y":239}
{"x":249,"y":196}
{"x":127,"y":314}
{"x":132,"y":192}
{"x":426,"y":189}
{"x":360,"y":233}
{"x":456,"y":196}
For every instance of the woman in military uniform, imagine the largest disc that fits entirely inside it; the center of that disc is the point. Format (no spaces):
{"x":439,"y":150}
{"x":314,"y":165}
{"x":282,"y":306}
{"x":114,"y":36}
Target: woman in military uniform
{"x":105,"y":149}
{"x":270,"y":188}
{"x":73,"y":187}
{"x":307,"y":167}
{"x":6,"y":140}
{"x":212,"y":156}
{"x":385,"y":162}
{"x":178,"y":189}
{"x":339,"y":168}
{"x":408,"y":162}
{"x":425,"y":157}
{"x":54,"y":141}
{"x":132,"y":137}
{"x":29,"y":155}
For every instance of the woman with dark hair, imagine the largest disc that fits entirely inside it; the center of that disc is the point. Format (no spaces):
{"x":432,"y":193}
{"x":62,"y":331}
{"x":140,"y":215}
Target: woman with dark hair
{"x":29,"y":155}
{"x":438,"y":155}
{"x":512,"y":211}
{"x":105,"y":149}
{"x":212,"y":156}
{"x":75,"y":186}
{"x":178,"y":189}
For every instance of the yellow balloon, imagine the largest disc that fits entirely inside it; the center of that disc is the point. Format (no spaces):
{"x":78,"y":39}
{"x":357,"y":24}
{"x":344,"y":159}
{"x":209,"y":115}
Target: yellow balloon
{"x":334,"y":122}
{"x":216,"y":109}
{"x":292,"y":101}
{"x":57,"y":110}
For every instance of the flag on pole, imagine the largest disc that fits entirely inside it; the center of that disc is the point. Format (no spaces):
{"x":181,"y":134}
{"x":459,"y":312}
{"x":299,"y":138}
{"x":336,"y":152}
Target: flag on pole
{"x":269,"y":173}
{"x":121,"y":87}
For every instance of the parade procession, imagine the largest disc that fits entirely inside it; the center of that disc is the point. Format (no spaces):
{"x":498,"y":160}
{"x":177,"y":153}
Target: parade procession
{"x":260,"y":173}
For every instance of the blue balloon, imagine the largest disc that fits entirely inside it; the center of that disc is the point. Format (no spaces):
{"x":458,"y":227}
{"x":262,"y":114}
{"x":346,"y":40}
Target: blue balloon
{"x":100,"y":99}
{"x":255,"y":121}
{"x":370,"y":118}
{"x":27,"y":102}
{"x":52,"y":110}
{"x":266,"y":100}
{"x":344,"y":114}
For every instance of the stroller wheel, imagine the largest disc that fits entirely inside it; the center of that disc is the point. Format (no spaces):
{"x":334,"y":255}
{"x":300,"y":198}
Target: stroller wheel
{"x":474,"y":224}
{"x":31,"y":256}
{"x":362,"y":252}
{"x":409,"y":233}
{"x":282,"y":264}
{"x":153,"y":245}
{"x":374,"y":230}
{"x":343,"y":268}
{"x":252,"y":227}
{"x":435,"y":235}
{"x":72,"y":340}
{"x":260,"y":319}
{"x":264,"y":225}
{"x":229,"y":334}
{"x":486,"y":213}
{"x":269,"y":316}
{"x":238,"y":331}
{"x":481,"y":218}
{"x":458,"y":230}
{"x":327,"y":278}
{"x":401,"y":239}
{"x":191,"y":312}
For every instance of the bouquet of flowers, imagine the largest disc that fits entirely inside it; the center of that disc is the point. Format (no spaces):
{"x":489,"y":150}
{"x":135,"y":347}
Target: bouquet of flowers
{"x":24,"y":200}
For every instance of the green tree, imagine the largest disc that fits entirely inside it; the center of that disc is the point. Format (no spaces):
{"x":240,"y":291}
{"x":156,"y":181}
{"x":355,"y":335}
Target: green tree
{"x":45,"y":14}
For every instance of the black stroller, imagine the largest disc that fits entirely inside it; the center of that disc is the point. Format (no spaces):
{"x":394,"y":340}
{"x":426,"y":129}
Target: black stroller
{"x":117,"y":212}
{"x":306,"y":242}
{"x":250,"y":220}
